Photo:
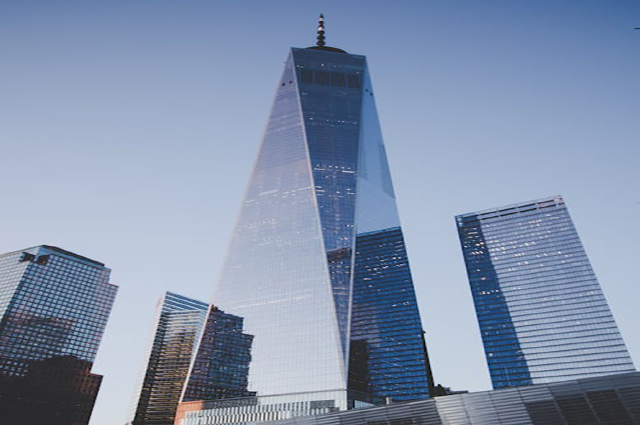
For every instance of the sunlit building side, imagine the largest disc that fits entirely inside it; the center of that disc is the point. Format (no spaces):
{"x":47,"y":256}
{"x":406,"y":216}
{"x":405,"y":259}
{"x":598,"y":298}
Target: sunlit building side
{"x":541,"y":310}
{"x":317,"y":267}
{"x":179,"y":322}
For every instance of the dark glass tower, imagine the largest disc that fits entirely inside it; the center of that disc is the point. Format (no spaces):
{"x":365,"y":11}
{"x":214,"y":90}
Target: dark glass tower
{"x":541,"y":311}
{"x":54,"y":306}
{"x":317,"y":266}
{"x":221,"y":366}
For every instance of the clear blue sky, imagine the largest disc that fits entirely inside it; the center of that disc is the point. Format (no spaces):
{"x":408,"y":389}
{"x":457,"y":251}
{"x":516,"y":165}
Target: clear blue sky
{"x":128,"y":130}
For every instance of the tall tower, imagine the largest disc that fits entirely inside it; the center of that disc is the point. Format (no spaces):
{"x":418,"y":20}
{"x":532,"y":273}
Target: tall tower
{"x":317,"y":265}
{"x":54,"y":306}
{"x":179,"y":323}
{"x":541,"y":311}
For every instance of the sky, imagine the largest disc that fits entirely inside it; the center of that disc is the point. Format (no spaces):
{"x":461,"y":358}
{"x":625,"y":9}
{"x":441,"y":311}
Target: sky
{"x":128,"y":130}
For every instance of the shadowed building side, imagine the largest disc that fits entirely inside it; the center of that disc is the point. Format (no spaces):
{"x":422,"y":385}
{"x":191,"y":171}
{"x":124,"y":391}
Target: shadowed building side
{"x":220,"y":369}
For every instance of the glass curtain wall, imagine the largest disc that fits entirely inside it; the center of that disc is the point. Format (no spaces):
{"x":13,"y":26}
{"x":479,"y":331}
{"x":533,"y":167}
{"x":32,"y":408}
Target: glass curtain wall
{"x":541,"y":310}
{"x":319,"y":190}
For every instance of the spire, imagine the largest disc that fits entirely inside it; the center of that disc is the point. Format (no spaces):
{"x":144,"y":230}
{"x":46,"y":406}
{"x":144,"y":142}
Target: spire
{"x":320,"y":42}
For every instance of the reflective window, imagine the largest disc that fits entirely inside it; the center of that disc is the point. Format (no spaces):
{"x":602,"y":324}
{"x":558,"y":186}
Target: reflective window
{"x":318,"y":238}
{"x":54,"y":306}
{"x":541,"y":311}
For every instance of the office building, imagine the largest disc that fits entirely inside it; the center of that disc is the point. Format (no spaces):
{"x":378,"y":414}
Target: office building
{"x":317,"y":266}
{"x":179,"y":322}
{"x":541,"y":310}
{"x":221,"y":367}
{"x":54,"y":306}
{"x":608,"y":400}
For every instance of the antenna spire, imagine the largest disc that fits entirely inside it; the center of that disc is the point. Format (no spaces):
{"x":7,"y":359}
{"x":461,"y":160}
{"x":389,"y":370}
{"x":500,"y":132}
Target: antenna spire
{"x":320,"y":42}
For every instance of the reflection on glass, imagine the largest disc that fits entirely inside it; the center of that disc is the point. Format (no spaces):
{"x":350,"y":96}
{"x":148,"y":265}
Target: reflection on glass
{"x":541,"y":311}
{"x":221,"y":366}
{"x":54,"y":306}
{"x":178,"y":328}
{"x":317,"y":239}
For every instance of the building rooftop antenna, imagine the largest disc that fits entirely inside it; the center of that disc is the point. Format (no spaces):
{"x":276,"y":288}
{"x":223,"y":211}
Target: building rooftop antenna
{"x":320,"y":42}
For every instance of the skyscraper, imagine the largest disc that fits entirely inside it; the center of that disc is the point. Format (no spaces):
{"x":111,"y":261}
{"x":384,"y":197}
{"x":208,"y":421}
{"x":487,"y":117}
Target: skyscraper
{"x":317,"y":266}
{"x":221,"y":367}
{"x":54,"y":306}
{"x":541,"y":311}
{"x":179,"y":322}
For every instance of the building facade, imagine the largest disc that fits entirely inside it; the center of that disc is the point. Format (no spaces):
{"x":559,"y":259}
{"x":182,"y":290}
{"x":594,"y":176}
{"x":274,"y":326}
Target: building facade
{"x":541,"y":310}
{"x":179,"y":323}
{"x":609,"y":400}
{"x":54,"y":306}
{"x":221,"y":367}
{"x":317,"y":267}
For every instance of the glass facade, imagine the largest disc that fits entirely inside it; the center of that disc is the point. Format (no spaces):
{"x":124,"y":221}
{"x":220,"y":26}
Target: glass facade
{"x":221,"y":366}
{"x":317,"y":239}
{"x":54,"y":306}
{"x":388,"y":356}
{"x":541,"y":311}
{"x":179,"y":323}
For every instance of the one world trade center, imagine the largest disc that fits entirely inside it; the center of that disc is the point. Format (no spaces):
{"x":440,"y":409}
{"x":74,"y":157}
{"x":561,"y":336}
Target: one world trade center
{"x":317,"y":270}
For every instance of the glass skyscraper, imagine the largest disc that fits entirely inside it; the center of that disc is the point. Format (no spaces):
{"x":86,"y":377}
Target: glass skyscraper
{"x":221,"y":366}
{"x":54,"y":306}
{"x":317,"y":267}
{"x":179,"y":323}
{"x":541,"y":311}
